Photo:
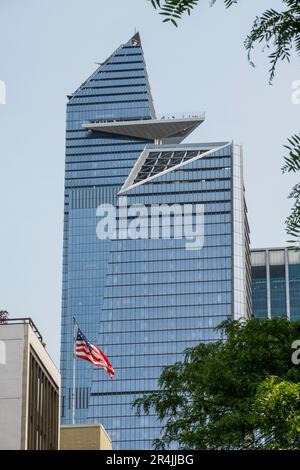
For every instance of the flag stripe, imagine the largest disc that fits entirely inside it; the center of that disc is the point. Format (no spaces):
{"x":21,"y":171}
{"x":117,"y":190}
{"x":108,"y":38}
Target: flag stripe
{"x":88,"y":357}
{"x":91,"y":353}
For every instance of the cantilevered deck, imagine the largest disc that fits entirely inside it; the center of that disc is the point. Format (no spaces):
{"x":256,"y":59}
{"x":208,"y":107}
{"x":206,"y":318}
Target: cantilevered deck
{"x":152,"y":129}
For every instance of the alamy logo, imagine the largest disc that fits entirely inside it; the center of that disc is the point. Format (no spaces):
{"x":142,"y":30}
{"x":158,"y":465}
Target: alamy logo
{"x":296,"y":354}
{"x":2,"y":92}
{"x":2,"y":353}
{"x":296,"y":93}
{"x":156,"y":221}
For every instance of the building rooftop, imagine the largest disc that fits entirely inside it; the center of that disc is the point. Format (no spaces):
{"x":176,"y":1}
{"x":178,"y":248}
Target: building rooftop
{"x":277,"y":248}
{"x":23,"y":321}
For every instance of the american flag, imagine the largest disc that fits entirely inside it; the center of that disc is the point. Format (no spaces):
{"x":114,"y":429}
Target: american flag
{"x":89,"y":352}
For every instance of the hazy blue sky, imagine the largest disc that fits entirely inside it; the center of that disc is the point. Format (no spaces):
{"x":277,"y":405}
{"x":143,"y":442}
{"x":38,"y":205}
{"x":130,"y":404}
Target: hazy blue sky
{"x":48,"y":47}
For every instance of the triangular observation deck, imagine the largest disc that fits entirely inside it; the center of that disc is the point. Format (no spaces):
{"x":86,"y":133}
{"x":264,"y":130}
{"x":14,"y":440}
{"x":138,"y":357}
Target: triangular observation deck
{"x":165,"y":127}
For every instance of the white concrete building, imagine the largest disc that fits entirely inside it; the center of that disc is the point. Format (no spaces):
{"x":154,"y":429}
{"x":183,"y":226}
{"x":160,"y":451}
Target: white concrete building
{"x":29,"y":389}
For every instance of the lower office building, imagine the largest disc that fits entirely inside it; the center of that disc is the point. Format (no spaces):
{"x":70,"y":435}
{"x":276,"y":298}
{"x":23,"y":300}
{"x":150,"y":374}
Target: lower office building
{"x":276,"y":283}
{"x":84,"y":437}
{"x":29,"y":389}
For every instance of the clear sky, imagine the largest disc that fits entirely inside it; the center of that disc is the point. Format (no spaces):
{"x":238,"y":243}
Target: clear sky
{"x":48,"y":47}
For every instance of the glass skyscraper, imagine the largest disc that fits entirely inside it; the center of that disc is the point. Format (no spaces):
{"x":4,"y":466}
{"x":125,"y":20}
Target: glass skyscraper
{"x":178,"y":263}
{"x":276,"y":283}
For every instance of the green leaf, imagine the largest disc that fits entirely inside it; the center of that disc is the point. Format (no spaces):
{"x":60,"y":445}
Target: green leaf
{"x":214,"y":397}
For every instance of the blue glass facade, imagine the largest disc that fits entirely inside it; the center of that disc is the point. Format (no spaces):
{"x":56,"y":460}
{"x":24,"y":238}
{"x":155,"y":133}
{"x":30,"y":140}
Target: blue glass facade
{"x":276,"y":283}
{"x":294,"y":290}
{"x":96,"y":166}
{"x":259,"y":291}
{"x":144,"y":300}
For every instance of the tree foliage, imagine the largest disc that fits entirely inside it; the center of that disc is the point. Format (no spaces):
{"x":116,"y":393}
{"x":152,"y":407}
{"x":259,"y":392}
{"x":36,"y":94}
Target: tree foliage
{"x":3,"y":316}
{"x":292,"y":164}
{"x":277,"y":414}
{"x":207,"y":400}
{"x":278,"y":31}
{"x":173,"y":10}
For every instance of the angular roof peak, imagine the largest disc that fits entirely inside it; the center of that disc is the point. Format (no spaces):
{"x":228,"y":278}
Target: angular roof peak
{"x":136,"y":39}
{"x":130,"y":53}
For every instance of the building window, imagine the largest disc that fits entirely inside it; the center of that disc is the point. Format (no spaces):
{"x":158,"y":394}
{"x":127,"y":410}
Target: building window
{"x":43,"y":412}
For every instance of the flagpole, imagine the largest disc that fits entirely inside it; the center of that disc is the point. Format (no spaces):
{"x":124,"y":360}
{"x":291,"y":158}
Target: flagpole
{"x":74,"y":370}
